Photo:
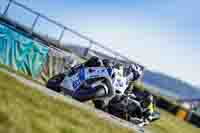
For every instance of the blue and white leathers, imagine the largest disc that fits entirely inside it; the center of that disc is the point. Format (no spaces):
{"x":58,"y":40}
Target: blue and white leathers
{"x":120,"y":82}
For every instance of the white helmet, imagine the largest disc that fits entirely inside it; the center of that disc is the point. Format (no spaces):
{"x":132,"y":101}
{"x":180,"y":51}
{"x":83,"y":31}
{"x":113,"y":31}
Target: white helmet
{"x":137,"y":70}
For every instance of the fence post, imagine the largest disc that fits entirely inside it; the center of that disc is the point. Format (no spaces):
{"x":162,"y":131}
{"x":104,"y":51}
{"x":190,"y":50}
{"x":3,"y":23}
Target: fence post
{"x":61,"y":35}
{"x":34,"y":23}
{"x":7,"y":7}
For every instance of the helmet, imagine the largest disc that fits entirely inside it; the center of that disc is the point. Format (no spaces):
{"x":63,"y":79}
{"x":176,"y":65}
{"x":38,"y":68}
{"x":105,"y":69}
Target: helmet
{"x":137,"y":70}
{"x":107,"y":63}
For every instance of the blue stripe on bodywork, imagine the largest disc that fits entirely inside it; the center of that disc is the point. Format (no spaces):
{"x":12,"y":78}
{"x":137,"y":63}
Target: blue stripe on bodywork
{"x":82,"y":74}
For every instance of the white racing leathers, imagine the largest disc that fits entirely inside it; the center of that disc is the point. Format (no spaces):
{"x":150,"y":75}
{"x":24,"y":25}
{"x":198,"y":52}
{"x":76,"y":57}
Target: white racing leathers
{"x":120,"y":82}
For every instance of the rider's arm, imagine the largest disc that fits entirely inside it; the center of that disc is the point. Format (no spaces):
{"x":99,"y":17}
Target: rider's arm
{"x":130,"y":77}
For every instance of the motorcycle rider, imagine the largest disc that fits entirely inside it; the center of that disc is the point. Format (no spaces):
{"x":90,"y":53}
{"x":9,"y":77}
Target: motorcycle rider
{"x":148,"y":105}
{"x":127,"y":74}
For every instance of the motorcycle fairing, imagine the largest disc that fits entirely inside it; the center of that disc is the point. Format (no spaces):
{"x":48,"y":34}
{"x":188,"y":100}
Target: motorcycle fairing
{"x":73,"y":82}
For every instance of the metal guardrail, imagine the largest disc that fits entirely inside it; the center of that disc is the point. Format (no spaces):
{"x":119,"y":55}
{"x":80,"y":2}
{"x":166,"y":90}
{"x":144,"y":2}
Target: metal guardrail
{"x":64,"y":28}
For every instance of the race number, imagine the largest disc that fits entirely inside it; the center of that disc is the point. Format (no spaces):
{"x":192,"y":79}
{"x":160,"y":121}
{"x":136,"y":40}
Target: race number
{"x":76,"y":83}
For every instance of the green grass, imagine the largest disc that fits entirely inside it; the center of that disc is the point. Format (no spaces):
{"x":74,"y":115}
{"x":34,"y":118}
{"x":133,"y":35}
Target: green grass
{"x":171,"y":124}
{"x":25,"y":110}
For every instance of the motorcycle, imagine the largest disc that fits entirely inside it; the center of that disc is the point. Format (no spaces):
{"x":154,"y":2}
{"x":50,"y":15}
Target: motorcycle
{"x":103,"y":85}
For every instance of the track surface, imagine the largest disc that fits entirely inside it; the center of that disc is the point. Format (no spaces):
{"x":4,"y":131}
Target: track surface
{"x":71,"y":101}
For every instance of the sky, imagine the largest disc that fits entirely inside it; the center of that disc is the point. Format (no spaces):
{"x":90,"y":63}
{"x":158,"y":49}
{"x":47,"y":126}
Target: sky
{"x":162,"y":35}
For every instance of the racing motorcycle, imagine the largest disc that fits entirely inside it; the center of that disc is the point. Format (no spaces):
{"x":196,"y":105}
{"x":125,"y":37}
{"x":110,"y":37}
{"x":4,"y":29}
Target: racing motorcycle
{"x":104,"y":85}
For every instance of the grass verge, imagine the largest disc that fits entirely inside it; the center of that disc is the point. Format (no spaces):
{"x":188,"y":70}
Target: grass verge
{"x":25,"y":110}
{"x":171,"y":124}
{"x":38,"y":109}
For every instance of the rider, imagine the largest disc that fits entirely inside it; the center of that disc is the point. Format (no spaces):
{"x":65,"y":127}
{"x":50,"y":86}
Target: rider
{"x":135,"y":74}
{"x":132,"y":73}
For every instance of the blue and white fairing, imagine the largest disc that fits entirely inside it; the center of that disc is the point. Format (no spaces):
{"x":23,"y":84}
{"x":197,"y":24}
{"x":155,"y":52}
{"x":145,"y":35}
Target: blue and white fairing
{"x":73,"y":82}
